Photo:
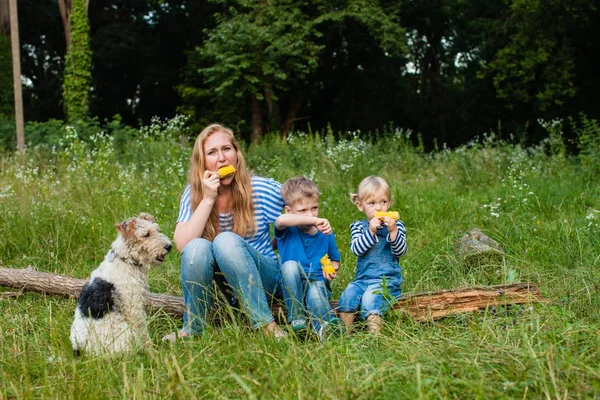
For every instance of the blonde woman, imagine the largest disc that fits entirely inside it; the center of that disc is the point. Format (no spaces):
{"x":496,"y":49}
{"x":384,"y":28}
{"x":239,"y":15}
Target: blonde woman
{"x":222,"y":233}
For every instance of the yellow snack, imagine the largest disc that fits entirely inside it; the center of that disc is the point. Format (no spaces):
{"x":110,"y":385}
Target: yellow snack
{"x":392,"y":214}
{"x":226,"y":171}
{"x":326,"y":265}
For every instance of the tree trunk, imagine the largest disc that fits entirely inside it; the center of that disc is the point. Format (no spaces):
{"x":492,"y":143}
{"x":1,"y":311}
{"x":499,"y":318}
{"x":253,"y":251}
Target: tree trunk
{"x":256,"y":120}
{"x":296,"y":103}
{"x":65,"y":11}
{"x":65,"y":7}
{"x":4,"y":18}
{"x":421,"y":306}
{"x":16,"y":62}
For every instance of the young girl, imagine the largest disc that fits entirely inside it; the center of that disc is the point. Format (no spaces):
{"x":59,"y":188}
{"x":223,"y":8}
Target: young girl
{"x":378,"y":242}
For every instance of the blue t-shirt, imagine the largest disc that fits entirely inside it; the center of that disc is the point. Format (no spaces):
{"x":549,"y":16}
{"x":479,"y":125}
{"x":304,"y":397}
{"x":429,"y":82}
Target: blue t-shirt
{"x":295,"y":245}
{"x":268,"y":203}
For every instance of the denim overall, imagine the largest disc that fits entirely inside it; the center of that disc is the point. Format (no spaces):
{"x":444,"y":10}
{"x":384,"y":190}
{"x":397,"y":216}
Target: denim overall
{"x":366,"y":292}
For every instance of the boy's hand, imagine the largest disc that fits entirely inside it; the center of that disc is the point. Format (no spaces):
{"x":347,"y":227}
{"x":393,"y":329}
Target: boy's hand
{"x":332,"y":275}
{"x":323,"y":225}
{"x":329,"y":277}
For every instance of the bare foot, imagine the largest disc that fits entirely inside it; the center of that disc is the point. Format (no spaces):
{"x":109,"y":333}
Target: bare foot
{"x":272,"y":329}
{"x":173,"y":336}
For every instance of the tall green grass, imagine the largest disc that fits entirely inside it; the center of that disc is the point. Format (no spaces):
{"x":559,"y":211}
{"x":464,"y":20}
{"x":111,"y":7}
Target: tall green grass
{"x":58,"y":207}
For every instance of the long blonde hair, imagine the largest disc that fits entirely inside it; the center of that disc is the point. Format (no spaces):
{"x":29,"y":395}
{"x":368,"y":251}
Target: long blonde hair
{"x":244,"y":223}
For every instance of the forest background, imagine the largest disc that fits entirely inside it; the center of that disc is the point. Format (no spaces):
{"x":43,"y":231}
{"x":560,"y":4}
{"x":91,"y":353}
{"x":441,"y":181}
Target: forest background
{"x":448,"y":70}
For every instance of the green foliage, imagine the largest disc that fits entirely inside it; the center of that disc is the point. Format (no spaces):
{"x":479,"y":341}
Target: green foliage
{"x":264,"y":49}
{"x":43,"y":136}
{"x":78,"y":65}
{"x":59,"y":206}
{"x":588,"y":134}
{"x":7,"y":101}
{"x":537,"y":65}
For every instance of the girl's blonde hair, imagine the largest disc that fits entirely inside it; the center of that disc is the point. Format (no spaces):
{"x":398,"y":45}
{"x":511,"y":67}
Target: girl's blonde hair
{"x":369,"y":186}
{"x":244,"y":223}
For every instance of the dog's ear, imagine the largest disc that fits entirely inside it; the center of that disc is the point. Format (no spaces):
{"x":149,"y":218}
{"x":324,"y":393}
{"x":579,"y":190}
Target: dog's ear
{"x":147,"y":217}
{"x":126,"y":227}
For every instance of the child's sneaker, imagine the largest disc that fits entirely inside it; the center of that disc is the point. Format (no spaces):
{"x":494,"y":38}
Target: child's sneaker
{"x":299,"y":327}
{"x":334,"y":327}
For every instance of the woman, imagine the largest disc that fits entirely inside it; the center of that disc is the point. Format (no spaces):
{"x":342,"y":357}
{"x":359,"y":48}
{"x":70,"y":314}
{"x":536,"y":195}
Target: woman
{"x":223,"y":228}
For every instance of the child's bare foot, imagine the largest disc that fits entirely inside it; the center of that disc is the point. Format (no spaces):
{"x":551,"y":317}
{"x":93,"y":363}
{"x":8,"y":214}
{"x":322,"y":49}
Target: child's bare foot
{"x":374,"y":323}
{"x":348,"y":318}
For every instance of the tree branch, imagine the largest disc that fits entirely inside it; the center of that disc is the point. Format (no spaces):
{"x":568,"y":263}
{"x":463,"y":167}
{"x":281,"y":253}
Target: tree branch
{"x":421,"y":306}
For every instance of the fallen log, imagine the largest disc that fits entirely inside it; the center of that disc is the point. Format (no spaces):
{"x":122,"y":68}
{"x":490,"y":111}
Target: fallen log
{"x":421,"y":306}
{"x":31,"y":280}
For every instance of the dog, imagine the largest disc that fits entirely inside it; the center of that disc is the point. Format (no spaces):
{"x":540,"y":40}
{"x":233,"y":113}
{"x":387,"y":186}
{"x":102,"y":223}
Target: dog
{"x":110,"y":316}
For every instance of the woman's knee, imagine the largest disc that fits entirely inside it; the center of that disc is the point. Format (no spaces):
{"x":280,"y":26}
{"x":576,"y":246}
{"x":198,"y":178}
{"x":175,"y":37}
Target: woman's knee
{"x":229,"y":247}
{"x":225,"y":240}
{"x":197,"y":259}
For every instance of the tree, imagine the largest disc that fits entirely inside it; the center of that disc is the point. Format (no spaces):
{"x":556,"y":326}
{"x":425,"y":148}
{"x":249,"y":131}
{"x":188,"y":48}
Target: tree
{"x":536,"y":69}
{"x":256,"y":49}
{"x":16,"y":63}
{"x":78,"y":64}
{"x":140,"y":46}
{"x":264,"y":53}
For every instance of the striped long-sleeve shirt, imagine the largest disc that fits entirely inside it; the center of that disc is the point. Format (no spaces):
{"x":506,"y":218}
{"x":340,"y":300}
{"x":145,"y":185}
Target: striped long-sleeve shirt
{"x":361,"y":240}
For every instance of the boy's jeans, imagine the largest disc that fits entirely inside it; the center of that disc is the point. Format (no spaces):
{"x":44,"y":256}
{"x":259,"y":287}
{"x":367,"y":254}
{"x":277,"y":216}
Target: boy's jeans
{"x":298,"y":291}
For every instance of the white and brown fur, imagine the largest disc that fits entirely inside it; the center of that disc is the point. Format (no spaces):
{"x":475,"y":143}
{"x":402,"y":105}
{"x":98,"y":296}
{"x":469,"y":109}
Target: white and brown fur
{"x":110,"y":316}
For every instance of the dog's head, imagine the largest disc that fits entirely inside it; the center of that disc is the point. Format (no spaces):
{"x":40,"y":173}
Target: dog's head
{"x":141,"y":241}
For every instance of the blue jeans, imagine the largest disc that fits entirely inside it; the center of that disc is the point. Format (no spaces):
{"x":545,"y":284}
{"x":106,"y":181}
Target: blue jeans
{"x":366,"y":296}
{"x":250,"y":275}
{"x":298,"y":291}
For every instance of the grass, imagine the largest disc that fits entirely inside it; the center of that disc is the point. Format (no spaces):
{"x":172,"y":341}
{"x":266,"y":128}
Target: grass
{"x":58,"y":208}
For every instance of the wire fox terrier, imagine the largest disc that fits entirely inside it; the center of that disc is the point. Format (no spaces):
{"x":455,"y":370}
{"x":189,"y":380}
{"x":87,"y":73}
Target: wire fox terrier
{"x":110,"y":315}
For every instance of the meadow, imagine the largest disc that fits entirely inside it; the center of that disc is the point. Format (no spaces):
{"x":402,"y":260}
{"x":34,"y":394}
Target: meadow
{"x":59,"y":204}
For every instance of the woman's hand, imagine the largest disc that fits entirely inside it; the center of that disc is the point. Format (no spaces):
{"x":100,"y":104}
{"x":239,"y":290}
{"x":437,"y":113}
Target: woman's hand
{"x":210,"y":184}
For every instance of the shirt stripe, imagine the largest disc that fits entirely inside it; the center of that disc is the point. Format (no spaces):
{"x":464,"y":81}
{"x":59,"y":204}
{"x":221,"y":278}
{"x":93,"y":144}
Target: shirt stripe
{"x":360,"y":241}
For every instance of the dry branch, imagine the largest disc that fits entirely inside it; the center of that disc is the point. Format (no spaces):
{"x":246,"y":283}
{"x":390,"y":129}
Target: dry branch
{"x":422,"y":306}
{"x":30,"y":280}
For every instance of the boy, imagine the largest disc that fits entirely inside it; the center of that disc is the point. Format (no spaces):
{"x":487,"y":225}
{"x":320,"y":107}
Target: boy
{"x":303,"y":239}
